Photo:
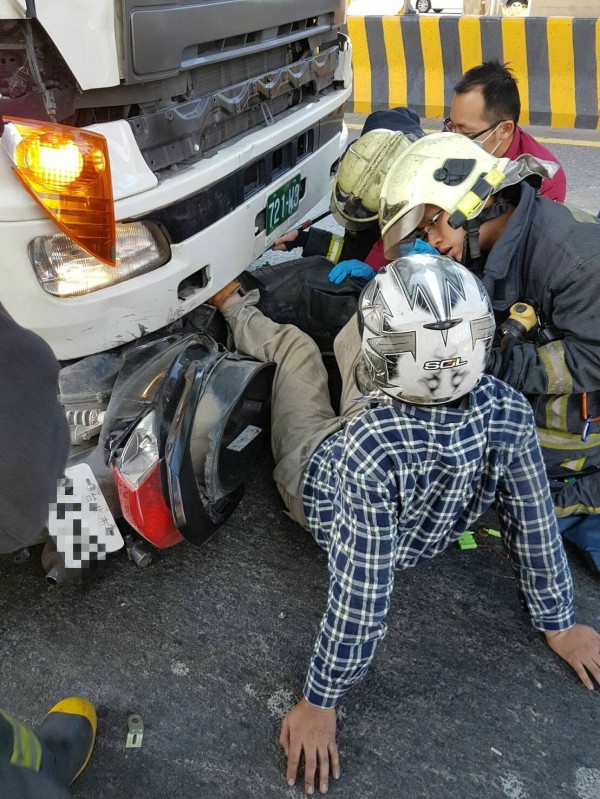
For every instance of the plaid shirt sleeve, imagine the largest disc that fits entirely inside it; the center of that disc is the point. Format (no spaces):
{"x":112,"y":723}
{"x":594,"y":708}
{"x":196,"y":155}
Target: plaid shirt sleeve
{"x":531,"y":535}
{"x":361,"y":569}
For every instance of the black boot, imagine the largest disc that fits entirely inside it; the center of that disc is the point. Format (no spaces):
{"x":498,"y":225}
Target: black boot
{"x":67,"y":736}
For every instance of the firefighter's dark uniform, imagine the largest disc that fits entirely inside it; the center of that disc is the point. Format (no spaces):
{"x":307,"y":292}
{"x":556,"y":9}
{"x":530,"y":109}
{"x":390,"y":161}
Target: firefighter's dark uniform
{"x":549,"y":256}
{"x":34,"y":435}
{"x":335,"y":248}
{"x":41,"y":764}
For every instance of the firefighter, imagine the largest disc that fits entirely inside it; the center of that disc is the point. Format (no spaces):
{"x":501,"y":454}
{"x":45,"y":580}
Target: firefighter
{"x":354,"y":203}
{"x":482,"y":211}
{"x":34,"y":435}
{"x":46,"y":762}
{"x":34,"y":444}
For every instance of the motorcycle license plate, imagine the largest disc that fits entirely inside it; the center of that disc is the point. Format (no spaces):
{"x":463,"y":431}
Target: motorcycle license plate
{"x":80,"y":521}
{"x":282,"y":203}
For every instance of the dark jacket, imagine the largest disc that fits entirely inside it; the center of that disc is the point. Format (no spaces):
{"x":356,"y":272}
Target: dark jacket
{"x":403,"y":119}
{"x":549,"y":256}
{"x":34,"y":435}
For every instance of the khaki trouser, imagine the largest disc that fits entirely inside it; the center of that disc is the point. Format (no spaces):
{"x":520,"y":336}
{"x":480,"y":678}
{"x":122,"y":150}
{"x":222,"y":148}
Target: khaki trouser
{"x":301,"y":412}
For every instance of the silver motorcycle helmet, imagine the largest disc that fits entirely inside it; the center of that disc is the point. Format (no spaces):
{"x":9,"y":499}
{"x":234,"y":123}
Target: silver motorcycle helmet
{"x":427,"y":327}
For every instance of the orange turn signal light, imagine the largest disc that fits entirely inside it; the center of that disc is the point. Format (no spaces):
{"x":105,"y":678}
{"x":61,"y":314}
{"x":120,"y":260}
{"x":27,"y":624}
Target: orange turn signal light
{"x":67,"y":171}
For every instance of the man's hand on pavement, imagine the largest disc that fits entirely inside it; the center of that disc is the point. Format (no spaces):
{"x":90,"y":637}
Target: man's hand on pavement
{"x":580,"y":647}
{"x":310,"y":730}
{"x":285,"y":242}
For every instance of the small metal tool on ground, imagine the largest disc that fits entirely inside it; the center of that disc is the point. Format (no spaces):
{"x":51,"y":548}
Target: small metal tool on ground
{"x":135,"y":734}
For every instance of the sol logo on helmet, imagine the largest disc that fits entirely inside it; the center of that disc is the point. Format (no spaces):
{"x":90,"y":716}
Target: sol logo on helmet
{"x":448,"y":363}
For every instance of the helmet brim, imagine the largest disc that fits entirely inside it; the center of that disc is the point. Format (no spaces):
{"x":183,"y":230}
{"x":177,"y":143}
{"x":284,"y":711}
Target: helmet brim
{"x":355,"y":225}
{"x":398,"y":232}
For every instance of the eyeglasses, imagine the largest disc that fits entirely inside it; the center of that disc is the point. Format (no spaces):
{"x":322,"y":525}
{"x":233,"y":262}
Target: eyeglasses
{"x":450,"y":127}
{"x":421,"y":232}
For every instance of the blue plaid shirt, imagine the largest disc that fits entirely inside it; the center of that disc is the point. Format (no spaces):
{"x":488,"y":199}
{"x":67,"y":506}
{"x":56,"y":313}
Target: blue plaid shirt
{"x":401,"y":482}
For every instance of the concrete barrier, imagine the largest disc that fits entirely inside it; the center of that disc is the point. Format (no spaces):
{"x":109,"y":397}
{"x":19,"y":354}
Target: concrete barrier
{"x":416,"y":60}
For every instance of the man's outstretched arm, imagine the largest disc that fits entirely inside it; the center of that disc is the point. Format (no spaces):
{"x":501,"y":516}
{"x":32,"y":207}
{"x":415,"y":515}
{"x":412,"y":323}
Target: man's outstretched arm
{"x":361,"y":568}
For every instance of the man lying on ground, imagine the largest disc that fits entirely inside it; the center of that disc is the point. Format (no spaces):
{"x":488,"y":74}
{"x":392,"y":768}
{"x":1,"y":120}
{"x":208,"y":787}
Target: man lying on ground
{"x":423,"y":445}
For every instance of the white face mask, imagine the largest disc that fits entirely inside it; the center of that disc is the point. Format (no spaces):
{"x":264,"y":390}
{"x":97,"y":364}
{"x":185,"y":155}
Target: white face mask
{"x":491,"y":133}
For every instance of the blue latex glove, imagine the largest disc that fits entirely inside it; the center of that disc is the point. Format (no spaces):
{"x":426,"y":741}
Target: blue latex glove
{"x":418,"y":247}
{"x":353,"y":268}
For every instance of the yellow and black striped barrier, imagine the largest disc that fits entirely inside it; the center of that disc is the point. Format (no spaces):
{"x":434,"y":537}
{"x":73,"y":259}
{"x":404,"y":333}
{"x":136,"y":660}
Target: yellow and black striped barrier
{"x":416,"y":61}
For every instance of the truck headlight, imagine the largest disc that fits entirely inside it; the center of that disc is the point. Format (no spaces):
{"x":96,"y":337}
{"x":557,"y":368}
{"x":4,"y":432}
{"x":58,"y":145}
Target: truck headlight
{"x":66,"y":270}
{"x":67,"y":171}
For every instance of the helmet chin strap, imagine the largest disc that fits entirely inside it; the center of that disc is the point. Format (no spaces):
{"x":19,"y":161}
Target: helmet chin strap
{"x":471,"y":254}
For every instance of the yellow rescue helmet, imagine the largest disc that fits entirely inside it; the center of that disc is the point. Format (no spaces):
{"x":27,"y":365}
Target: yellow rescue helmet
{"x":445,"y":170}
{"x":362,"y":171}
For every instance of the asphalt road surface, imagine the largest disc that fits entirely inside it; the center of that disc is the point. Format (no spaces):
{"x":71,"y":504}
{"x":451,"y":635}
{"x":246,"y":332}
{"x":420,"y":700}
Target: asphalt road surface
{"x":210,"y":647}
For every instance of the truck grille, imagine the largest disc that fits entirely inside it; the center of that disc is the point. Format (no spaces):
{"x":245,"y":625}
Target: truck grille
{"x":191,"y":129}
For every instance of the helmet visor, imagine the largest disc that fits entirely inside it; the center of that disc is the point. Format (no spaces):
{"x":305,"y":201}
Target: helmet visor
{"x":387,"y":213}
{"x":398,"y":232}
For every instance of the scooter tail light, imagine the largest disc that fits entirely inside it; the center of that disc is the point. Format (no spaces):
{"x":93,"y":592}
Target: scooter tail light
{"x":67,"y":172}
{"x":137,"y":472}
{"x":146,"y":509}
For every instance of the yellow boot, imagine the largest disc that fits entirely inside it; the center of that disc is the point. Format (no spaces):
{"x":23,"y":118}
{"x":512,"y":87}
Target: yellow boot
{"x":67,"y":736}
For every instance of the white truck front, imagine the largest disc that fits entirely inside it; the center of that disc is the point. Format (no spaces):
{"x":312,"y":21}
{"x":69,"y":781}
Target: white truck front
{"x":222,"y":122}
{"x":209,"y":110}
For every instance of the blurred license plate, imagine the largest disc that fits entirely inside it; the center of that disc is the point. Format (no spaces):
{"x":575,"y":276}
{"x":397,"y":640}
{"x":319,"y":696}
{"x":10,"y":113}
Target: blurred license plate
{"x":283,"y":203}
{"x":80,"y":521}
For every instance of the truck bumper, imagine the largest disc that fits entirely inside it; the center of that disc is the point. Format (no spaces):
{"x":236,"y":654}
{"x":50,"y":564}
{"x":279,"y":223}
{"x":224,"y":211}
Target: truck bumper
{"x":199,"y":265}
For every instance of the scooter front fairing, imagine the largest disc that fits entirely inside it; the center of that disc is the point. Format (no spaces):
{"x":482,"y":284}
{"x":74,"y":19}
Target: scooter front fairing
{"x":184,"y":423}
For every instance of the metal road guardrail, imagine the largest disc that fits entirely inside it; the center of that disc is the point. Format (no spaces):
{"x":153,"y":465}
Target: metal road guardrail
{"x":416,"y":60}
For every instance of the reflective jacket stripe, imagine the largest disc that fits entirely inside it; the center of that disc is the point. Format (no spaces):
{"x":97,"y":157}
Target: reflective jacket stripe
{"x":553,"y":439}
{"x":552,"y":356}
{"x":556,"y":412}
{"x":27,"y":749}
{"x":574,"y":465}
{"x":572,"y":510}
{"x":335,"y":248}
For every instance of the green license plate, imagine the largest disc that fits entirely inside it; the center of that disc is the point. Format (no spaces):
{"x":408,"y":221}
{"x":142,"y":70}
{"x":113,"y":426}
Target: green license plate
{"x":283,"y":203}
